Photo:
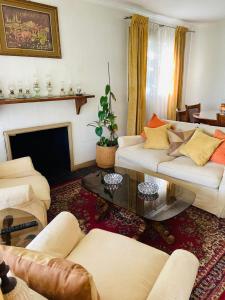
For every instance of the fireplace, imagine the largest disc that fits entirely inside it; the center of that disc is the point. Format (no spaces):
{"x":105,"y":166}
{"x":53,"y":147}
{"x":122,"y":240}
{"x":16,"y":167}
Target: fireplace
{"x":50,"y":147}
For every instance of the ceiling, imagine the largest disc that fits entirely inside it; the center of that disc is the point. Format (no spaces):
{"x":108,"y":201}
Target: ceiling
{"x":187,"y":10}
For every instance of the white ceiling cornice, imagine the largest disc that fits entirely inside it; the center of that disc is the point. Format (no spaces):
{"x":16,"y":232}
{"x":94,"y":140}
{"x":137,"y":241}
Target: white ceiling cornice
{"x":132,"y":9}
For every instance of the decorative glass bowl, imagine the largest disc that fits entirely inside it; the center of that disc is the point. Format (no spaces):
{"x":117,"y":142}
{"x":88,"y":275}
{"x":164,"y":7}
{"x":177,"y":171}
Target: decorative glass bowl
{"x":148,"y":188}
{"x":113,"y":178}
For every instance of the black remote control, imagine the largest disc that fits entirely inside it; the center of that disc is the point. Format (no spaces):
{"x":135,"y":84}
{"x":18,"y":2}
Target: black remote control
{"x":18,"y":227}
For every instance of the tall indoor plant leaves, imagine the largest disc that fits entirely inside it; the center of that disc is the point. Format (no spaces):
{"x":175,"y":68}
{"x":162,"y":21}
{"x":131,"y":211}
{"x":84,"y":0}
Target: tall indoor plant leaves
{"x":106,"y":123}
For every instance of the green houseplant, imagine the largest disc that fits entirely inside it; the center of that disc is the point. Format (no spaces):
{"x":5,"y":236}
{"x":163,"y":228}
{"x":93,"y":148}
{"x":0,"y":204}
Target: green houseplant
{"x":106,"y":129}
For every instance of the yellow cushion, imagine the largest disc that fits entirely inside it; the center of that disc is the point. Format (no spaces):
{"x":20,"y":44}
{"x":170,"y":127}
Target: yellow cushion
{"x":157,"y":138}
{"x":200,"y":147}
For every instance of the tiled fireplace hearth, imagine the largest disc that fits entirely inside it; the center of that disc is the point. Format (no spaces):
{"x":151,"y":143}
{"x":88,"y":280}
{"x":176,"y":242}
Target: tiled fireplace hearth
{"x":49,"y":146}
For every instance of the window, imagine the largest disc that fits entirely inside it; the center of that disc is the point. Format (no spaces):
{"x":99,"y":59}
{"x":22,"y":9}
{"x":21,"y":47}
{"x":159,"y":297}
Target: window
{"x":159,"y":69}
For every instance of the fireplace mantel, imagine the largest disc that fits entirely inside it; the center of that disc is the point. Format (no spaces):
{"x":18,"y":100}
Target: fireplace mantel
{"x":79,"y":100}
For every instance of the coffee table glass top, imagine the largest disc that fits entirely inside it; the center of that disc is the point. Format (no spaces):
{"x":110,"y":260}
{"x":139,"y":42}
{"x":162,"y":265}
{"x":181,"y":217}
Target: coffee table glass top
{"x":171,"y":199}
{"x":10,"y":217}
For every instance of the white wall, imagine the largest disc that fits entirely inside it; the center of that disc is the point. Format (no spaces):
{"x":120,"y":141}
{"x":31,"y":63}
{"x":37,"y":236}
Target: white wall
{"x":206,"y":70}
{"x":91,"y":35}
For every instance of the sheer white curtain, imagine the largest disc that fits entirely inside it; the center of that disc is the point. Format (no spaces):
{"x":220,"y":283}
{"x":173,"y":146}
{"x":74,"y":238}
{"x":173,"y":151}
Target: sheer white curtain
{"x":160,"y":69}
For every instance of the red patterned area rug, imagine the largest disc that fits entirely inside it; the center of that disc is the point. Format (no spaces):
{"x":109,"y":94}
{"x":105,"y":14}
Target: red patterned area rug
{"x":195,"y":230}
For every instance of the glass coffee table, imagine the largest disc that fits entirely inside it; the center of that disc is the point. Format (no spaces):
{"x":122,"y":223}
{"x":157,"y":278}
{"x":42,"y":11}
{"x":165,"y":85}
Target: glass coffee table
{"x":169,"y":200}
{"x":18,"y":228}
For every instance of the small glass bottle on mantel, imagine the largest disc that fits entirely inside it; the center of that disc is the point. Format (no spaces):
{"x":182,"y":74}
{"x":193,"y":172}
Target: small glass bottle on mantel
{"x":36,"y":88}
{"x":20,"y":94}
{"x":28,"y":94}
{"x":12,"y":89}
{"x":71,"y":91}
{"x":62,"y":89}
{"x":49,"y":88}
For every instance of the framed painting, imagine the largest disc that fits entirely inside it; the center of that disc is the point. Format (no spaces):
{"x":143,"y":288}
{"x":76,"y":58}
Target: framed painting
{"x":29,"y":29}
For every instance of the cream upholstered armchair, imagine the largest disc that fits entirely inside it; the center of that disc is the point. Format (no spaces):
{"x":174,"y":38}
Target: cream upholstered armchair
{"x":122,"y":268}
{"x":22,"y":187}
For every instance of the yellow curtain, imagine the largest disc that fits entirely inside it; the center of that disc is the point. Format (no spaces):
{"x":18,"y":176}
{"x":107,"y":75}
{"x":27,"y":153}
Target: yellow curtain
{"x":137,"y":73}
{"x":175,"y":99}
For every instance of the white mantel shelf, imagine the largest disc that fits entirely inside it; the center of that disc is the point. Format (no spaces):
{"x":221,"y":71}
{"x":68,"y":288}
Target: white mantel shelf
{"x":80,"y":100}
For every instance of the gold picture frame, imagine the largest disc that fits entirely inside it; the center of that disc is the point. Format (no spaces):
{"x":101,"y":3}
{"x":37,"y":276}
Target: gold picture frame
{"x":29,"y":29}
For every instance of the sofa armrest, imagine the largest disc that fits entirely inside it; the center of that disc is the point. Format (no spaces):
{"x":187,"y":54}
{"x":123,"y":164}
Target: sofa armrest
{"x":14,"y":196}
{"x":15,"y":168}
{"x":221,"y":196}
{"x":126,"y":141}
{"x":176,"y":280}
{"x":59,"y":237}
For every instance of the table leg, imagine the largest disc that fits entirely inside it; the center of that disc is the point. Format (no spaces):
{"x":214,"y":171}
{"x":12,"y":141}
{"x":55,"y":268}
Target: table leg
{"x":7,"y":222}
{"x":163,"y":232}
{"x":102,"y":209}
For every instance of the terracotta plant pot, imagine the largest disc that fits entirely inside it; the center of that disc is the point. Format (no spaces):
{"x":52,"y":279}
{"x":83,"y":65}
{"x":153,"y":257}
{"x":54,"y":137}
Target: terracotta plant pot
{"x":105,"y":156}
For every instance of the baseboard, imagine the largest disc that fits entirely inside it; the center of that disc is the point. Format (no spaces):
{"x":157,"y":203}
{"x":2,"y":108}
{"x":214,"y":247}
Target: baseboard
{"x":84,"y":165}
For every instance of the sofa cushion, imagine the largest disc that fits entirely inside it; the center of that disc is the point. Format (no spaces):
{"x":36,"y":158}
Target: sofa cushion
{"x":177,"y":139}
{"x":157,"y":138}
{"x":200,"y":147}
{"x":122,"y":268}
{"x":154,"y":122}
{"x":184,"y":168}
{"x":38,"y":182}
{"x":17,"y":195}
{"x":145,"y":158}
{"x":219,"y":155}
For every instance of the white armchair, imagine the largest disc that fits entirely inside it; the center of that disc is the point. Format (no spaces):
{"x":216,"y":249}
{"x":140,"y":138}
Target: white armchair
{"x":22,"y":187}
{"x":122,"y":268}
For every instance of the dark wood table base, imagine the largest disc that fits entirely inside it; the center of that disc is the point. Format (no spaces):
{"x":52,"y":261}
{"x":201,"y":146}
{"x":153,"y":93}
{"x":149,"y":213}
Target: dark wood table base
{"x":103,"y":209}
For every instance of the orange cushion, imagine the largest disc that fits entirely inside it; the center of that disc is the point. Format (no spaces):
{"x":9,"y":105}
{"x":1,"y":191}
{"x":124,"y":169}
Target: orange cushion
{"x":219,"y":155}
{"x":154,"y":122}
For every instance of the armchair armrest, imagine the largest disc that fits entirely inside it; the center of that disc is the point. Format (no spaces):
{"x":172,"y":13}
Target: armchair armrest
{"x":176,"y":280}
{"x":126,"y":141}
{"x":59,"y":237}
{"x":14,"y":196}
{"x":15,"y":168}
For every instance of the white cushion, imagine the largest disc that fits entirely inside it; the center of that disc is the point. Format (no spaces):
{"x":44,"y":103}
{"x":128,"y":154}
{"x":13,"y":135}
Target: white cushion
{"x":38,"y":182}
{"x":122,"y":268}
{"x":16,"y":195}
{"x":145,"y":158}
{"x":184,"y":168}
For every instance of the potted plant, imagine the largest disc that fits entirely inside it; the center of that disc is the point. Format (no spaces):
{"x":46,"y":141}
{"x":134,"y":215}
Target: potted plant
{"x":105,"y":129}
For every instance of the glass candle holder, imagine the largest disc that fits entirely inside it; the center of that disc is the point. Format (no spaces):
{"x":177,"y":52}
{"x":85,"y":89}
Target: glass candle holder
{"x":37,"y":89}
{"x":49,"y":88}
{"x":28,"y":93}
{"x":12,"y":93}
{"x":71,"y":91}
{"x":20,"y":94}
{"x":1,"y":94}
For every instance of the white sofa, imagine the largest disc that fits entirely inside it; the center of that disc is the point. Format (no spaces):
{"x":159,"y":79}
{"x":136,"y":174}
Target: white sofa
{"x":122,"y":268}
{"x":208,"y":182}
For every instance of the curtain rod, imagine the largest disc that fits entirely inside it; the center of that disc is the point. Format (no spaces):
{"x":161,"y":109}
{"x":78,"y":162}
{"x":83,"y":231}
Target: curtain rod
{"x":161,"y":25}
